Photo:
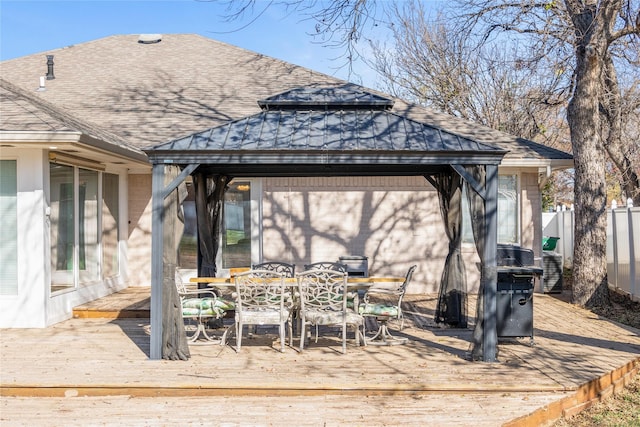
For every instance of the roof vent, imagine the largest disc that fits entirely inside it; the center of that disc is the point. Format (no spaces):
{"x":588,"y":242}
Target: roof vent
{"x":150,"y":38}
{"x":50,"y":75}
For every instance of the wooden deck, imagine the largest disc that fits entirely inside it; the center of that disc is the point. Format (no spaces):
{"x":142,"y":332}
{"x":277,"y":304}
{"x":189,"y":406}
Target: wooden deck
{"x":95,"y":369}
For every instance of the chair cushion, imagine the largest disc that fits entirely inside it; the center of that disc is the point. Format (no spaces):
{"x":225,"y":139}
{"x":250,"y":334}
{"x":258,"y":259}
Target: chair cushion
{"x":225,"y":304}
{"x":378,"y":310}
{"x":331,"y":317}
{"x":206,"y":306}
{"x":196,"y":312}
{"x":262,"y":317}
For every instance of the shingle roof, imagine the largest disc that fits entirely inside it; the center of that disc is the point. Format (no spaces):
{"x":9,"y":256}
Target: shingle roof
{"x":148,"y":94}
{"x":23,"y":111}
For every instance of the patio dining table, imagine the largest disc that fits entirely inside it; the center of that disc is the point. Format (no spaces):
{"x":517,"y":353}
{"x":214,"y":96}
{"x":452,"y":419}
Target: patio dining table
{"x":352,"y":282}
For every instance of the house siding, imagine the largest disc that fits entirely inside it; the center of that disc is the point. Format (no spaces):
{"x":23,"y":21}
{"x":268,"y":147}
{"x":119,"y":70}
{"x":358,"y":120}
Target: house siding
{"x":530,"y":215}
{"x":27,"y":308}
{"x":139,"y":236}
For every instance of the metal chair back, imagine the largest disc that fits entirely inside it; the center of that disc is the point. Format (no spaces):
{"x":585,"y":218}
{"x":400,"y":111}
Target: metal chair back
{"x":328,"y":265}
{"x":288,"y":270}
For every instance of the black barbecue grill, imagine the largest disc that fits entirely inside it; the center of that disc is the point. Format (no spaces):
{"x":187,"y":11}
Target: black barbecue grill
{"x":514,"y":298}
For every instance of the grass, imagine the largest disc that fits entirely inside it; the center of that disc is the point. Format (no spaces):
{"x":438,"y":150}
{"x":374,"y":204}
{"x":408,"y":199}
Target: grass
{"x":621,"y":409}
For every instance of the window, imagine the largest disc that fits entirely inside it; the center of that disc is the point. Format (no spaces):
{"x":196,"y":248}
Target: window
{"x":110,"y":225}
{"x":508,"y":219}
{"x":84,"y":226}
{"x":62,"y":223}
{"x":508,"y":212}
{"x":9,"y":227}
{"x":238,"y":234}
{"x":89,"y":226}
{"x":236,"y":226}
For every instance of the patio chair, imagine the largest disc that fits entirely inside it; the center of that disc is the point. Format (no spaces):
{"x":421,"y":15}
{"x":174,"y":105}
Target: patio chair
{"x":323,"y":301}
{"x":352,"y":297}
{"x":199,"y":307}
{"x":385,"y":303}
{"x":288,"y":270}
{"x":262,"y":298}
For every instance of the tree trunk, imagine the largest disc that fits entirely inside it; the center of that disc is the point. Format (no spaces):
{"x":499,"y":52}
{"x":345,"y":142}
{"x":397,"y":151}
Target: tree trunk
{"x":590,"y":286}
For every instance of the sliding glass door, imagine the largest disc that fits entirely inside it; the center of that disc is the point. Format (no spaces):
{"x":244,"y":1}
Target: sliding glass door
{"x":84,"y":223}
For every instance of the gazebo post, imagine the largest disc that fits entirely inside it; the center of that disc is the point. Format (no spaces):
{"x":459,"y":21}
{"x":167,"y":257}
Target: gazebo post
{"x":157,"y":249}
{"x":159,"y":193}
{"x":490,"y":273}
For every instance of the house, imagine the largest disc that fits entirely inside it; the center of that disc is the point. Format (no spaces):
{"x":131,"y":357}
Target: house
{"x":77,"y":185}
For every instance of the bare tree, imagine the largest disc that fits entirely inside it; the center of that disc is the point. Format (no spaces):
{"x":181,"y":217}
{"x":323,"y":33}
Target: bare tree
{"x":586,"y":39}
{"x":435,"y":65}
{"x":593,"y":30}
{"x":582,"y":43}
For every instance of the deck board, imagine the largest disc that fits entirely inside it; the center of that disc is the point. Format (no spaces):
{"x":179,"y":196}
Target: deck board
{"x":98,"y":360}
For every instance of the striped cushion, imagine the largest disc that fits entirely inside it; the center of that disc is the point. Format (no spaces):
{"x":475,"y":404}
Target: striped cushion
{"x":379,"y":310}
{"x":206,"y":306}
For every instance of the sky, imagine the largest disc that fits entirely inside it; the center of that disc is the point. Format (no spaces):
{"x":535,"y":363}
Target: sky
{"x":29,"y":26}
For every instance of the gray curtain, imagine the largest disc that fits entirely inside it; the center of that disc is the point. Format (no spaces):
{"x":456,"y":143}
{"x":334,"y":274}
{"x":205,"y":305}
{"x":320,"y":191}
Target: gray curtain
{"x":209,"y":193}
{"x":478,"y":225}
{"x":174,"y":338}
{"x":452,"y":296}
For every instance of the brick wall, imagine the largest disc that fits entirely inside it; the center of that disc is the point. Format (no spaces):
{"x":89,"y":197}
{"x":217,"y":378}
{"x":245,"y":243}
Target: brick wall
{"x":395,"y":221}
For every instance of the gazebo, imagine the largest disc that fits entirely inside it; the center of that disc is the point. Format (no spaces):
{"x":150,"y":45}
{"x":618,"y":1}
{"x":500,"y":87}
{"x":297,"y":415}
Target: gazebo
{"x":321,"y":131}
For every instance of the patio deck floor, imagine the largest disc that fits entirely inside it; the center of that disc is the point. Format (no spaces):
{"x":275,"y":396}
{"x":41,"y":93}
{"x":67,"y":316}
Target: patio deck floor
{"x":96,"y":370}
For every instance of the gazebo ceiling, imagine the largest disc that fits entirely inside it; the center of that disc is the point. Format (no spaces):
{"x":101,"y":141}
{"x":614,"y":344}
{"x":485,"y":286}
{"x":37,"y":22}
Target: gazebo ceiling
{"x":325,"y":131}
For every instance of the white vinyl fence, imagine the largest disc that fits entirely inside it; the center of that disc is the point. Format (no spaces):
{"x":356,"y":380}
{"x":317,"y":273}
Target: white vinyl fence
{"x":623,"y":244}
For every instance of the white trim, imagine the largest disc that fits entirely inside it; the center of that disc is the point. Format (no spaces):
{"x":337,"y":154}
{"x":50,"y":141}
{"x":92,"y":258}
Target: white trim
{"x":554,"y":164}
{"x":39,"y":137}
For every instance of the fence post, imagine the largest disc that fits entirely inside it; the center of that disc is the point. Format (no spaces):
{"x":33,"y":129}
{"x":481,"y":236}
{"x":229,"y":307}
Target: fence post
{"x":614,"y":238}
{"x":632,"y":254}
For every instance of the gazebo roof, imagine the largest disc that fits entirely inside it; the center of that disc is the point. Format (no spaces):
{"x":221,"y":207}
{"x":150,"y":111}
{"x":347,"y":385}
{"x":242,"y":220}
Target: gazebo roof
{"x":348,"y":96}
{"x":313,"y":129}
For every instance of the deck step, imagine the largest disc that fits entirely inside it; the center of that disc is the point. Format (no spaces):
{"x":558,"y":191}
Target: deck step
{"x":110,"y":314}
{"x":131,"y":303}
